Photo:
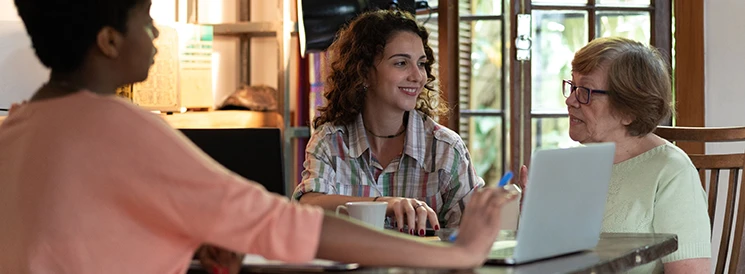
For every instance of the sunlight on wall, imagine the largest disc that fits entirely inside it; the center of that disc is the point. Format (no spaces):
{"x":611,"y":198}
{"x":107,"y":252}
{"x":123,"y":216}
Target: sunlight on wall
{"x":215,"y":74}
{"x":163,"y":11}
{"x":8,"y":11}
{"x":211,"y":11}
{"x":224,"y":51}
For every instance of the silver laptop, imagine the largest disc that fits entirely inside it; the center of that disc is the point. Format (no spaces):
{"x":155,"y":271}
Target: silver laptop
{"x":563,"y":204}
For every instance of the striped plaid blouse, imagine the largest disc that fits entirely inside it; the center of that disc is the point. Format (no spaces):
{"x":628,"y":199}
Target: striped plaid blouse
{"x":435,"y":167}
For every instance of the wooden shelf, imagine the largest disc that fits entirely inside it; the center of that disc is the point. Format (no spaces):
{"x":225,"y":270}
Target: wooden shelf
{"x":224,"y":119}
{"x":264,"y":29}
{"x":240,"y":28}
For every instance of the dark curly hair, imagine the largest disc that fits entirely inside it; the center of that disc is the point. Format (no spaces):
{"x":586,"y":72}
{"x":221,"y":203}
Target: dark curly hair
{"x":352,"y":58}
{"x":62,"y":32}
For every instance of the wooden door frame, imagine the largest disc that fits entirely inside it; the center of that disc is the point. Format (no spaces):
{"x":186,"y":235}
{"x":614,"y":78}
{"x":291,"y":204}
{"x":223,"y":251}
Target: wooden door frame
{"x":689,"y":68}
{"x":447,"y":24}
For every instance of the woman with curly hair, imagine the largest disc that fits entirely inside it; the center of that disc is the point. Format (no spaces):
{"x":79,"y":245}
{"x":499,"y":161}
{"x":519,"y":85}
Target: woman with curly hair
{"x":376,"y":139}
{"x":92,"y":183}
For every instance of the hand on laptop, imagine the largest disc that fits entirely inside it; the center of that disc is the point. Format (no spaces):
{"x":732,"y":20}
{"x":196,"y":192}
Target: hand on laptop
{"x":479,"y":226}
{"x":412,"y":213}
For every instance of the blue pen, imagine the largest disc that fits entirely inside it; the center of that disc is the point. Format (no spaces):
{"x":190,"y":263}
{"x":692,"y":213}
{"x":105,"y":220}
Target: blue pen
{"x":453,"y":236}
{"x":506,"y":178}
{"x":502,"y":182}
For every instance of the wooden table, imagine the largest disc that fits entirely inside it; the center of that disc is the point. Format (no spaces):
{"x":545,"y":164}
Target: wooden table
{"x":616,"y":252}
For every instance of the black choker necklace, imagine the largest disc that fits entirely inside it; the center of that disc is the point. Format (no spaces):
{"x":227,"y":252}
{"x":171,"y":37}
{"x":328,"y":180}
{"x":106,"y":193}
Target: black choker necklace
{"x":406,"y":122}
{"x":387,"y":136}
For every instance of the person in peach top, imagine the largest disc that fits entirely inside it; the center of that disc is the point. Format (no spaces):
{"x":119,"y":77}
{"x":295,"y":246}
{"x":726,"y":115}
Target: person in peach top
{"x":93,"y":184}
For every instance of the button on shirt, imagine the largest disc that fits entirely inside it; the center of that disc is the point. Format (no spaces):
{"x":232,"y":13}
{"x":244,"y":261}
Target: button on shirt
{"x":435,"y":166}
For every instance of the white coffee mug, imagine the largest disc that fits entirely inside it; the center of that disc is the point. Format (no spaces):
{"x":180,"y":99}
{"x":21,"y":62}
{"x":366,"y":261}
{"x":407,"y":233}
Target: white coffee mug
{"x":372,"y":213}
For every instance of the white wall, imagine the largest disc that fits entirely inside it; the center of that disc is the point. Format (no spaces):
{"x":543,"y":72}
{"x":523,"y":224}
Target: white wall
{"x":725,"y":63}
{"x":725,"y":68}
{"x":8,"y":11}
{"x":20,"y":72}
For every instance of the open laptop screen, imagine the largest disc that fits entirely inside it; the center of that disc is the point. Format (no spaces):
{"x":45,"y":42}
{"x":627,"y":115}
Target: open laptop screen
{"x":254,"y":153}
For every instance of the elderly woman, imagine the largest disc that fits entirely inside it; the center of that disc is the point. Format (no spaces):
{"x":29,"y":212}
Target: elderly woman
{"x":376,"y":139}
{"x":619,"y":92}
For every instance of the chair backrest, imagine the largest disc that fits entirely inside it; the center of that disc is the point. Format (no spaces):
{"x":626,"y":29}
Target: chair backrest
{"x":714,"y":164}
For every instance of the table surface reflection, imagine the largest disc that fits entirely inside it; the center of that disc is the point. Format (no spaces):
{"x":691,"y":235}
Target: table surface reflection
{"x":615,"y":252}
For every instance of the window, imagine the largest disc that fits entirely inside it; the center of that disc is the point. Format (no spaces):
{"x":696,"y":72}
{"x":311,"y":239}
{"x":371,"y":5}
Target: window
{"x":507,"y":108}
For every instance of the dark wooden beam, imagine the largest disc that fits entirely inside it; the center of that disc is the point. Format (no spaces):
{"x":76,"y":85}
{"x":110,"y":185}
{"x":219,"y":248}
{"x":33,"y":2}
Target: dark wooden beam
{"x":689,"y":68}
{"x":447,"y":22}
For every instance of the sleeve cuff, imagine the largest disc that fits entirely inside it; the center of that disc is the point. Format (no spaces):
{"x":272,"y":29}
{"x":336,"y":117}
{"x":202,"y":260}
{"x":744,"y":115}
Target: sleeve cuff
{"x":306,"y":187}
{"x":689,"y":251}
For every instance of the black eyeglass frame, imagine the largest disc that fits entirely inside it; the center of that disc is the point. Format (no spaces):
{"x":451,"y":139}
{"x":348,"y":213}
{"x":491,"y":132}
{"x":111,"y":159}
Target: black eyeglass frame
{"x":573,"y":88}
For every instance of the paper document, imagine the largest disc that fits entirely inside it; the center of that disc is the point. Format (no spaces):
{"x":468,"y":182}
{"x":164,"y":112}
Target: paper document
{"x":256,"y":261}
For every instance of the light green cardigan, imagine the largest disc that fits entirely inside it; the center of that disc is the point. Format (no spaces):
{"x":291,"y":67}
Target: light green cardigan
{"x":659,"y":191}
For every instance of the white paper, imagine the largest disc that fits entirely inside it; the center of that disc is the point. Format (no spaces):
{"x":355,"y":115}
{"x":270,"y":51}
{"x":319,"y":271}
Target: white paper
{"x":251,"y":259}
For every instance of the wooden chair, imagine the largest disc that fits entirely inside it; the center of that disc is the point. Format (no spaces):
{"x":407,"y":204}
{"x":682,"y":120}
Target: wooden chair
{"x":714,"y":164}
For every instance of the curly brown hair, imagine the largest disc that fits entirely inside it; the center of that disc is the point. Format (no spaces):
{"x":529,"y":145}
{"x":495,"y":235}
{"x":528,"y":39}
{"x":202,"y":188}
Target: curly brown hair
{"x":352,"y":58}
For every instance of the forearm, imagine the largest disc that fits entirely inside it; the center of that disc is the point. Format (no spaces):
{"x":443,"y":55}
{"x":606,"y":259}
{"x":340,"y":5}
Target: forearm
{"x":330,"y":201}
{"x":698,"y":265}
{"x":346,"y":241}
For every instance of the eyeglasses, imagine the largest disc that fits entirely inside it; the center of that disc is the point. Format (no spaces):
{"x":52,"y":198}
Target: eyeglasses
{"x":581,"y":93}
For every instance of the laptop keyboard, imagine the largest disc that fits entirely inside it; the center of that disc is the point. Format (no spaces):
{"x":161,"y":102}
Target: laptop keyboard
{"x":502,"y":252}
{"x":502,"y":249}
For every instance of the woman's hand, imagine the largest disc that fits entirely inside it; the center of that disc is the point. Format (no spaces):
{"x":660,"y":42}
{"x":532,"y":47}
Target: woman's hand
{"x":413,"y":213}
{"x":523,"y":182}
{"x":342,"y":240}
{"x":217,"y":260}
{"x":523,"y":177}
{"x":479,"y":226}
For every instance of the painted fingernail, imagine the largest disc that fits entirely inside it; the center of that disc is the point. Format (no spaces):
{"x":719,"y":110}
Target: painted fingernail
{"x":437,"y":227}
{"x":401,"y":230}
{"x":411,"y":231}
{"x":219,"y":270}
{"x":421,"y":232}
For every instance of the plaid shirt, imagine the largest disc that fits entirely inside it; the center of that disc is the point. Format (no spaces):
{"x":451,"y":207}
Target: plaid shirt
{"x":435,"y":167}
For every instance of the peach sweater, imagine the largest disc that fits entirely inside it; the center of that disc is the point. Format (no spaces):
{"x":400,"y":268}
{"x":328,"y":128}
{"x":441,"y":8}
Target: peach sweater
{"x":94,"y":184}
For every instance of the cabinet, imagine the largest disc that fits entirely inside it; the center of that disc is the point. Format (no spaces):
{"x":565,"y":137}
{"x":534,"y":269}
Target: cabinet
{"x":282,"y":29}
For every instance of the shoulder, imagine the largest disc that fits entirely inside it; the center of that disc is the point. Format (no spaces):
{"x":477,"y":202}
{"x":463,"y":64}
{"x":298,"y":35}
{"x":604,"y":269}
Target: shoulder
{"x":661,"y":169}
{"x":326,"y":130}
{"x":118,"y":115}
{"x":325,"y":136}
{"x":670,"y":154}
{"x":666,"y":159}
{"x":90,"y":114}
{"x":672,"y":169}
{"x":444,"y":136}
{"x":672,"y":162}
